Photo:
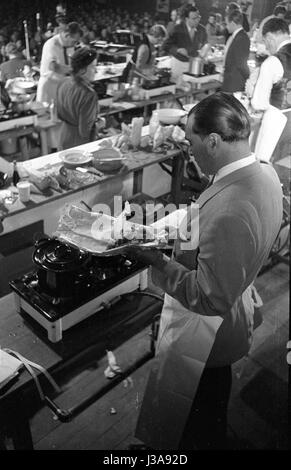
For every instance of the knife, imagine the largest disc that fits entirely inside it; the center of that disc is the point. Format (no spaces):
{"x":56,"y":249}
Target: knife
{"x":89,"y":170}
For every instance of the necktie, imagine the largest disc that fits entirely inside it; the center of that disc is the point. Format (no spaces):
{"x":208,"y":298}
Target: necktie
{"x":66,"y":56}
{"x":192,"y":32}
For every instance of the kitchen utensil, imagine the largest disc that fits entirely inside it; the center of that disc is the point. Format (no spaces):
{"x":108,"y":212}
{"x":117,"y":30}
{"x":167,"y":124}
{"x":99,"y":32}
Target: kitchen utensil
{"x":61,"y":267}
{"x":89,"y":170}
{"x":196,"y":66}
{"x":108,"y":159}
{"x":73,"y":158}
{"x":170,"y":115}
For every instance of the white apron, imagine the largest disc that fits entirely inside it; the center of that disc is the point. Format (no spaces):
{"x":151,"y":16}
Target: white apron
{"x":178,"y":68}
{"x":184,"y":344}
{"x":47,"y":87}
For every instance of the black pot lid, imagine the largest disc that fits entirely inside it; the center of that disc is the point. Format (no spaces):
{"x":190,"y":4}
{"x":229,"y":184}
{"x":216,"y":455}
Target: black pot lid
{"x":57,"y":256}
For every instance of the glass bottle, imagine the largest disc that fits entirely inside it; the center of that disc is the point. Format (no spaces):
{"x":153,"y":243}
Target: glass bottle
{"x":154,"y":123}
{"x":15,"y":175}
{"x":135,"y":90}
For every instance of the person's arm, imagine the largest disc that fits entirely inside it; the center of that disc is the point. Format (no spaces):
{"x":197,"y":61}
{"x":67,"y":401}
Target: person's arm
{"x":226,"y":250}
{"x":143,"y":54}
{"x":88,"y":116}
{"x":54,"y":66}
{"x":271,"y":72}
{"x":243,"y":56}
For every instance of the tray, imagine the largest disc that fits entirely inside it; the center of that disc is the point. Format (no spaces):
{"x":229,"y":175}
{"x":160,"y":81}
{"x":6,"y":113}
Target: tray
{"x":119,"y":250}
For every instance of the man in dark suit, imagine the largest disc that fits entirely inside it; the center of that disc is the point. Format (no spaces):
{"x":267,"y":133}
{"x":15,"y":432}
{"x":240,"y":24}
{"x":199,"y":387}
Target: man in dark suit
{"x":187,"y":37}
{"x":237,"y":50}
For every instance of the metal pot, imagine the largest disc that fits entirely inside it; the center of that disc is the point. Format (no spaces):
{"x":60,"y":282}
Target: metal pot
{"x":196,"y":66}
{"x":62,"y":269}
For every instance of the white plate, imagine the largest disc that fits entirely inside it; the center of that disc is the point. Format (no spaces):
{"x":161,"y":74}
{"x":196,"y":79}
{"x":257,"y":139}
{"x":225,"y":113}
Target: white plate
{"x":75,"y":157}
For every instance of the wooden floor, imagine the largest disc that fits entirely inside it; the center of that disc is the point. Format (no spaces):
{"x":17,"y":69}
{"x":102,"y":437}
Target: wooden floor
{"x":258,"y":405}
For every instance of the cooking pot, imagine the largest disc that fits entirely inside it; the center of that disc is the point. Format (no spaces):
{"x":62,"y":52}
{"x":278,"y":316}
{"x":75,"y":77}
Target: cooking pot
{"x":196,"y":66}
{"x":62,"y":269}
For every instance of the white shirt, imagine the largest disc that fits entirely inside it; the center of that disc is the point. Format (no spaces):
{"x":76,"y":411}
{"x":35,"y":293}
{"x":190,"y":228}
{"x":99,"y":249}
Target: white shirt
{"x":271,"y":72}
{"x":53,"y":50}
{"x":191,"y":31}
{"x":227,"y":169}
{"x":229,"y":42}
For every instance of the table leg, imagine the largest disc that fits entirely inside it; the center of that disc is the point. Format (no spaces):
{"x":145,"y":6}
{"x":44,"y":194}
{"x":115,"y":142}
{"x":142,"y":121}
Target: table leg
{"x":177,"y":178}
{"x":137,"y":181}
{"x":23,"y":147}
{"x":20,"y":431}
{"x":43,"y":142}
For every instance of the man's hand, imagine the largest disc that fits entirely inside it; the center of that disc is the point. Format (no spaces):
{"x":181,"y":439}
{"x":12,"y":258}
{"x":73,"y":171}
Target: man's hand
{"x":150,"y":256}
{"x":183,"y":51}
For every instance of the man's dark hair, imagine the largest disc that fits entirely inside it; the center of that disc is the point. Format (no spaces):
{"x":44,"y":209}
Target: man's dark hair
{"x":232,"y":6}
{"x":73,"y":28}
{"x":275,"y":25}
{"x":235,"y":16}
{"x":185,"y":12}
{"x":223,"y":114}
{"x":280,"y":10}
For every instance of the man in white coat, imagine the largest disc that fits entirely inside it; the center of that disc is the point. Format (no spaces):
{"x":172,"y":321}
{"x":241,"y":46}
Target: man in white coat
{"x":55,"y":61}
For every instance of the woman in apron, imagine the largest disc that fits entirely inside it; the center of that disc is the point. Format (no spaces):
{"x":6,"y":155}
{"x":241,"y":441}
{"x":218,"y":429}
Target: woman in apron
{"x":143,"y":58}
{"x":77,"y":101}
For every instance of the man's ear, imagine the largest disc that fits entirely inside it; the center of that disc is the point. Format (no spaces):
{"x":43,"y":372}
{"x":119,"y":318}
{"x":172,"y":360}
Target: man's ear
{"x":213,"y":141}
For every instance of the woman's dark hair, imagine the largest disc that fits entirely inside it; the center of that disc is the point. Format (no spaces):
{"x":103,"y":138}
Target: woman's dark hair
{"x":81,"y":58}
{"x":275,"y":25}
{"x":223,"y":114}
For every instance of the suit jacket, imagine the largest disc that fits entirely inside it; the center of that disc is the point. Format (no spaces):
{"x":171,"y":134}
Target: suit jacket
{"x":236,"y":69}
{"x":180,"y":37}
{"x":239,"y":219}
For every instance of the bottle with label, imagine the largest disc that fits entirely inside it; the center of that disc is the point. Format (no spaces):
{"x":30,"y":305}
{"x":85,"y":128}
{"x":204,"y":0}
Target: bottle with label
{"x":135,"y":90}
{"x":153,"y":124}
{"x":15,"y":175}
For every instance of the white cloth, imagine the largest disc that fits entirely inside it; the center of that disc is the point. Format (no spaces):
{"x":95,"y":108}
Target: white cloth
{"x":272,"y":126}
{"x":227,"y":169}
{"x":53,"y":51}
{"x":271,"y":72}
{"x":178,"y":68}
{"x":229,"y":42}
{"x":184,"y":344}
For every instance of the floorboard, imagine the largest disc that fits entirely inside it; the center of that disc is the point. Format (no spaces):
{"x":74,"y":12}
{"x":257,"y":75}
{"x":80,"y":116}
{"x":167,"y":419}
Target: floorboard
{"x":258,"y":405}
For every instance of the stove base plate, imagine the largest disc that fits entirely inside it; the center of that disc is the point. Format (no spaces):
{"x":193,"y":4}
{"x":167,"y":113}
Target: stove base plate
{"x":55,"y":328}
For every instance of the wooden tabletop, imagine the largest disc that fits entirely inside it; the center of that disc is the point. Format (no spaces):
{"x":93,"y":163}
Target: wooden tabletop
{"x":134,"y":161}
